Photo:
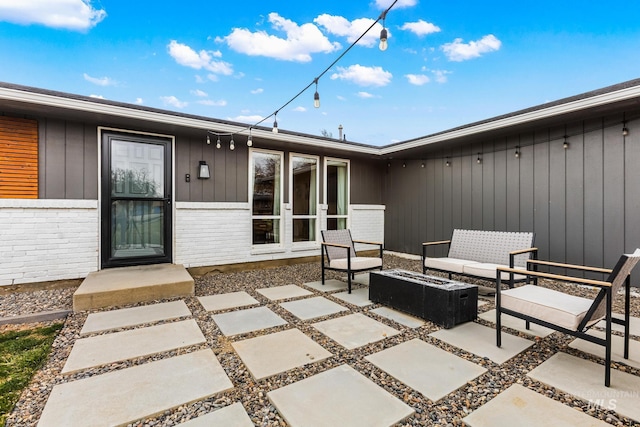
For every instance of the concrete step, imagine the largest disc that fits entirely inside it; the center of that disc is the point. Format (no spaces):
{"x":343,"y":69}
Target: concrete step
{"x":128,"y":285}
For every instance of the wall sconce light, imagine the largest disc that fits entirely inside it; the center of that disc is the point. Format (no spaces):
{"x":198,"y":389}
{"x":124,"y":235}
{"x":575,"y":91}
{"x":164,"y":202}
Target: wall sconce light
{"x":203,"y":170}
{"x":479,"y":159}
{"x":625,"y":130}
{"x":517,"y":153}
{"x":565,"y":144}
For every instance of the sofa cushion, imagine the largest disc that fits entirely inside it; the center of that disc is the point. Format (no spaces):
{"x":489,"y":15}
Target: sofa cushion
{"x":489,"y":271}
{"x":454,"y":265}
{"x":545,"y":304}
{"x":357,"y":263}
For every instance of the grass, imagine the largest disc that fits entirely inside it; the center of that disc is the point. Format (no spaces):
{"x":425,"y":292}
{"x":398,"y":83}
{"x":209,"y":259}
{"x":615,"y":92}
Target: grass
{"x":22,"y":353}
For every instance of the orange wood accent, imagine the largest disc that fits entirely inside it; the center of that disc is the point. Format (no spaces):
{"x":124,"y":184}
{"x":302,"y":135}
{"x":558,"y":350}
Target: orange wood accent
{"x":18,"y":158}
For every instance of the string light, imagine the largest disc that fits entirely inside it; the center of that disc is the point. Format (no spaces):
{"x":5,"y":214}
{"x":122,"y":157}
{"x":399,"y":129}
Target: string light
{"x":479,"y":159}
{"x":565,"y":144}
{"x":232,"y":145}
{"x":218,"y":145}
{"x":383,"y":34}
{"x":208,"y":140}
{"x":316,"y":96}
{"x":275,"y":122}
{"x":249,"y":139}
{"x":517,"y":153}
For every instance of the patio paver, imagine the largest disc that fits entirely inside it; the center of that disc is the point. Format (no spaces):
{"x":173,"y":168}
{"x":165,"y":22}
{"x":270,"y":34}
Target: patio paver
{"x":526,"y":408}
{"x":399,"y":317}
{"x":226,"y":301}
{"x":362,"y":278}
{"x":119,"y":346}
{"x":330,"y":285}
{"x":585,"y":379}
{"x":481,"y":340}
{"x":284,"y":292}
{"x":125,"y":317}
{"x":433,"y":372}
{"x":249,"y":320}
{"x":634,"y":324}
{"x":233,"y":415}
{"x":357,"y":297}
{"x":617,"y":349}
{"x":311,"y":308}
{"x":158,"y":386}
{"x":517,"y":324}
{"x":272,"y":354}
{"x":338,"y":397}
{"x":355,"y":330}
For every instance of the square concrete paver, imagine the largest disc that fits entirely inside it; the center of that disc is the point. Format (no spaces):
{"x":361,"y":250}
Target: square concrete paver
{"x":426,"y":368}
{"x":357,"y":297}
{"x":329,"y":285}
{"x":226,"y":301}
{"x":338,"y":397}
{"x":481,"y":340}
{"x":634,"y":324}
{"x":232,"y":416}
{"x":355,"y":330}
{"x":119,"y":346}
{"x":114,"y":319}
{"x":243,"y":321}
{"x":272,"y":354}
{"x":311,"y":308}
{"x":284,"y":292}
{"x":517,"y":324}
{"x":154,"y":388}
{"x":617,"y":349}
{"x":362,"y":279}
{"x":585,"y":380}
{"x":399,"y":317}
{"x":520,"y":406}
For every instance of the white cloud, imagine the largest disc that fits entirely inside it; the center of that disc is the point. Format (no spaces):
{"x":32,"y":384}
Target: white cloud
{"x":365,"y":95}
{"x":212,"y":103}
{"x":300,"y":109}
{"x":459,"y":51}
{"x":139,"y":101}
{"x":257,"y":91}
{"x":96,"y":96}
{"x":213,"y":77}
{"x":184,"y":55}
{"x":199,"y":93}
{"x":173,"y":102}
{"x":100,"y":81}
{"x":363,"y":76}
{"x":417,"y":79}
{"x":441,"y":75}
{"x":340,"y":26}
{"x":341,"y":98}
{"x":75,"y":15}
{"x":421,"y":28}
{"x":300,"y":42}
{"x":383,"y":4}
{"x":246,"y":119}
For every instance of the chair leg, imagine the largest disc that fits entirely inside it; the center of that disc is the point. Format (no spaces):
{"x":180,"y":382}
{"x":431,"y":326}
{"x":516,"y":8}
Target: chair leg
{"x":498,"y":313}
{"x":349,"y":281}
{"x":607,"y":358}
{"x":627,"y":292}
{"x":323,"y":274}
{"x":527,"y":324}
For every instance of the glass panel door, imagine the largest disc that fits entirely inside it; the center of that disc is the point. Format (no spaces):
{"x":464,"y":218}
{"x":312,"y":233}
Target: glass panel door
{"x":136,"y":202}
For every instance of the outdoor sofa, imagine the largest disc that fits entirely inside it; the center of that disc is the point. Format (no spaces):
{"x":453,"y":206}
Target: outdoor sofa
{"x":478,"y":253}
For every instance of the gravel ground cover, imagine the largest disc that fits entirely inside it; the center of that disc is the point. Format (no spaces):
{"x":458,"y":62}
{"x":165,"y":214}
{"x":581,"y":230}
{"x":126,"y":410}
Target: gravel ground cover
{"x":448,"y":411}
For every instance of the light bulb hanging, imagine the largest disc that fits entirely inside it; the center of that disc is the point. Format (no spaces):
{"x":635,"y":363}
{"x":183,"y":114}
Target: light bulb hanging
{"x":275,"y":122}
{"x":249,"y":139}
{"x":383,"y":34}
{"x":208,"y":140}
{"x":316,"y":96}
{"x":232,"y":145}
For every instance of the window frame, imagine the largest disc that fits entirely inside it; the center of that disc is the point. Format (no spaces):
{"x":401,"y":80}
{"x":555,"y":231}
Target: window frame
{"x":317,"y":189}
{"x":279,"y":217}
{"x":325,"y":193}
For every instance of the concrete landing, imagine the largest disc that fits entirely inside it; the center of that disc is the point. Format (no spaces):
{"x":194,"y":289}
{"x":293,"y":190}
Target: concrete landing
{"x":129,"y":285}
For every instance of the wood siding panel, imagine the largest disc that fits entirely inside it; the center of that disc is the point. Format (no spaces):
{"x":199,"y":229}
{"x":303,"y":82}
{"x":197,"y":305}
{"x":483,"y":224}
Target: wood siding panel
{"x":613,"y":196}
{"x":593,"y":194}
{"x":557,"y":196}
{"x":18,"y":158}
{"x":574,"y":229}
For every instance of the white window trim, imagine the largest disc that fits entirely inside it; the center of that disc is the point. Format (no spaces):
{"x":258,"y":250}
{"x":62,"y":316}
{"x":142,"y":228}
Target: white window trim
{"x":267,"y":246}
{"x":324,"y":193}
{"x":317,"y":215}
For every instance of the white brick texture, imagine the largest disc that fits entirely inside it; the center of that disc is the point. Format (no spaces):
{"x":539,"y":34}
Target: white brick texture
{"x":44,"y":240}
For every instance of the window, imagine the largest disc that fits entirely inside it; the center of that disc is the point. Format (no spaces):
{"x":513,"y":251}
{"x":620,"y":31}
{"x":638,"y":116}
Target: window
{"x":18,"y":158}
{"x":266,"y":190}
{"x":337,"y":193}
{"x":304,"y":197}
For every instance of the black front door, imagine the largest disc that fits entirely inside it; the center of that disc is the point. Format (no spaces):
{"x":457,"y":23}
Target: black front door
{"x":136,"y":200}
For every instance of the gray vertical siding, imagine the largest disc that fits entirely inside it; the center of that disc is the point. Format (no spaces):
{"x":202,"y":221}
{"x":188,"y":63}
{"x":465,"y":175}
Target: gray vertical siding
{"x":583,"y":202}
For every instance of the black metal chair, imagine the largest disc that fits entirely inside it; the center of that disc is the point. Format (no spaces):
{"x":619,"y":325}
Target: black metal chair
{"x":339,"y":248}
{"x":566,"y":313}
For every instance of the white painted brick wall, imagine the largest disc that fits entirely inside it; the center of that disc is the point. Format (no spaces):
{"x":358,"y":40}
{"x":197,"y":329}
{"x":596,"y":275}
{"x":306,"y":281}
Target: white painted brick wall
{"x":367,"y":223}
{"x":44,"y":240}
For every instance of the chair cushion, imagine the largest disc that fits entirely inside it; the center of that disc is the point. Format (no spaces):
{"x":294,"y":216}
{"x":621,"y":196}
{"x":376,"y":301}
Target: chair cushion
{"x":489,"y":271}
{"x":453,"y":265}
{"x":545,"y":304}
{"x":357,"y":263}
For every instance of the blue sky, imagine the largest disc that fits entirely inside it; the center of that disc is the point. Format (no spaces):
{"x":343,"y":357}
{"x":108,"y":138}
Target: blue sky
{"x":448,"y":63}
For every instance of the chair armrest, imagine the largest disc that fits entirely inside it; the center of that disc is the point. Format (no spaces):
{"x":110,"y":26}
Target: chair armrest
{"x":440,"y":242}
{"x":513,"y":254}
{"x":571,"y":279}
{"x":570,"y":266}
{"x":335,"y":245}
{"x":368,"y":243}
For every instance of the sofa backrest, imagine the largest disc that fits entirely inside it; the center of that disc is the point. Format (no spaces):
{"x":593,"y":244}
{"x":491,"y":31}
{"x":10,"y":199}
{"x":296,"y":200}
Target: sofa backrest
{"x":490,"y":246}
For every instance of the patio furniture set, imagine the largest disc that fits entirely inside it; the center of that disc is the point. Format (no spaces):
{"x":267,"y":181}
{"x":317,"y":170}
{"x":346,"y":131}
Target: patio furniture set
{"x":501,"y":256}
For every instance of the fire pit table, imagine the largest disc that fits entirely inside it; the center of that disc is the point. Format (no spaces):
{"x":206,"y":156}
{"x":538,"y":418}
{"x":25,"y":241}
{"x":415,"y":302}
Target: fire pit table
{"x":444,"y":302}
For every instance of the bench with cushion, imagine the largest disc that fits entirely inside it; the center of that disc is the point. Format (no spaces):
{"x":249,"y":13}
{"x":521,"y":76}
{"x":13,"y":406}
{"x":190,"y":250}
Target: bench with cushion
{"x":479,"y":253}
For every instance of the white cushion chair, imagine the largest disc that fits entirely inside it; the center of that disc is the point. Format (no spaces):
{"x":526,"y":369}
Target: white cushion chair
{"x":339,"y":248}
{"x":567,"y":313}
